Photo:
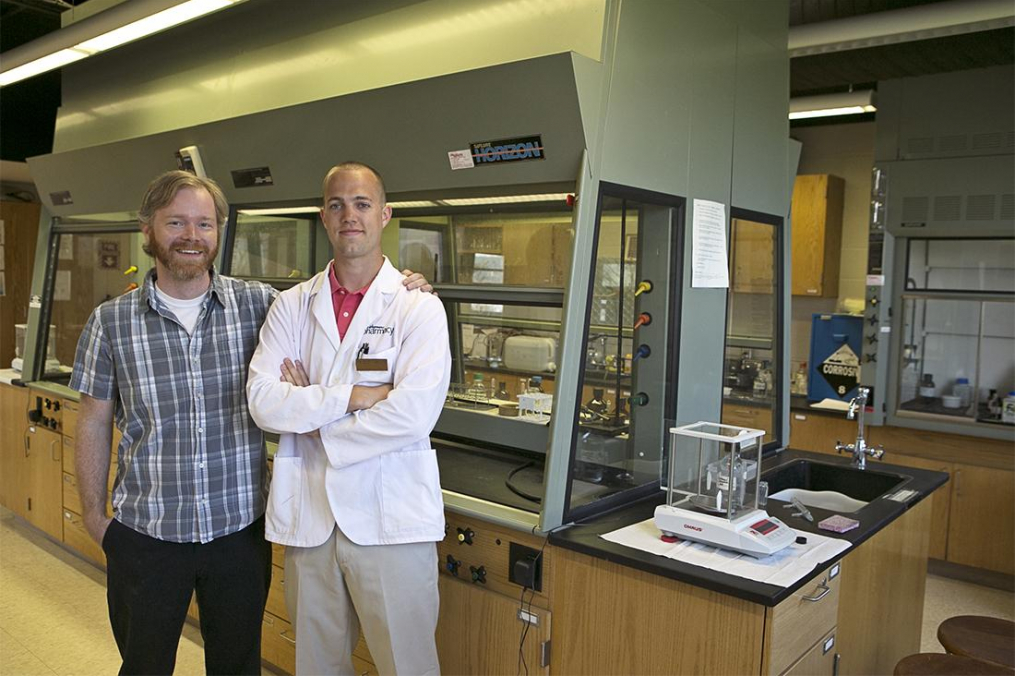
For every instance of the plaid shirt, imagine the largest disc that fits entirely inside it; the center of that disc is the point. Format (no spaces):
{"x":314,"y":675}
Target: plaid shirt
{"x":192,"y":464}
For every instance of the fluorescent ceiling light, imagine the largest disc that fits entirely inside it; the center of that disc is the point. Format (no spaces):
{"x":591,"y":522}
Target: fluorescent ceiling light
{"x":505,"y":199}
{"x":829,"y":105}
{"x":418,"y":204}
{"x":46,"y":63}
{"x":155,"y":23}
{"x":59,"y":49}
{"x":412,"y":204}
{"x":280,"y":211}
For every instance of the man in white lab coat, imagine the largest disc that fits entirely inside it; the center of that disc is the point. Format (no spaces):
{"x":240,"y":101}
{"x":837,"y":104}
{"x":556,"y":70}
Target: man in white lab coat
{"x":352,"y":370}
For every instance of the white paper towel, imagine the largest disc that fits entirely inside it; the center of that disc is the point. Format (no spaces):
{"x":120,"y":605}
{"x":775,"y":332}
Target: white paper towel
{"x":781,"y":569}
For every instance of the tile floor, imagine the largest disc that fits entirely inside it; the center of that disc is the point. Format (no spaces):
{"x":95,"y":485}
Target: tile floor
{"x":53,"y":610}
{"x":53,"y":619}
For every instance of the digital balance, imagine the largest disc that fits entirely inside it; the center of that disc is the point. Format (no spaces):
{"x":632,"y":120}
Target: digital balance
{"x":718,"y":504}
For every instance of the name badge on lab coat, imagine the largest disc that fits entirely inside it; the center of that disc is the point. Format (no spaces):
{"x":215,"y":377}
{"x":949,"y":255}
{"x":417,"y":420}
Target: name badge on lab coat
{"x":363,"y":364}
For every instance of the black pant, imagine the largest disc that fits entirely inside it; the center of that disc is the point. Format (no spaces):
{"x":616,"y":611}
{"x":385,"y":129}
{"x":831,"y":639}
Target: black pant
{"x":149,"y":587}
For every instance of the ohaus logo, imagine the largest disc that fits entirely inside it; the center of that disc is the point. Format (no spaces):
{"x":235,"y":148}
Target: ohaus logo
{"x":690,"y":527}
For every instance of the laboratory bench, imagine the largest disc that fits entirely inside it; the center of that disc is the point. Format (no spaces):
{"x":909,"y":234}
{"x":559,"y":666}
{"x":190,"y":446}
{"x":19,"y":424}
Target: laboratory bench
{"x":648,"y":614}
{"x":586,"y":537}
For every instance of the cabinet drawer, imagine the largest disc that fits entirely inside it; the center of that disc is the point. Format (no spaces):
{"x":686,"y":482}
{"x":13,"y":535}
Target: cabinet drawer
{"x":276,"y":594}
{"x":278,"y":643}
{"x":278,"y":554}
{"x":362,"y":659}
{"x":819,"y":660}
{"x":803,"y":619}
{"x":70,"y":417}
{"x":69,"y":455}
{"x":71,"y":498}
{"x":77,"y":538}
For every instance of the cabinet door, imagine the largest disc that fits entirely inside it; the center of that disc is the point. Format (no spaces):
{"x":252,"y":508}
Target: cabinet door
{"x":13,"y":444}
{"x":940,"y":500}
{"x":479,"y":631}
{"x":981,"y":527}
{"x":45,"y":480}
{"x":816,"y":235}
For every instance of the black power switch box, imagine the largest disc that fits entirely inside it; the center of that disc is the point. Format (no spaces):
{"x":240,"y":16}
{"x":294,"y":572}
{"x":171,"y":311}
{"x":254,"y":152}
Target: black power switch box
{"x":525,"y":566}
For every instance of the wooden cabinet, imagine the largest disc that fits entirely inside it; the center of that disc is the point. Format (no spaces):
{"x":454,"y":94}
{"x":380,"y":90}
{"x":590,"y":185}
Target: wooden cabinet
{"x":753,"y":255}
{"x":981,"y":527}
{"x":536,"y":254}
{"x":816,"y":235}
{"x":753,"y":417}
{"x":13,"y":426}
{"x":44,"y":480}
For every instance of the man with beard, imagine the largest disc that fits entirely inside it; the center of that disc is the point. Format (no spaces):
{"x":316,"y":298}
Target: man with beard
{"x":170,"y":361}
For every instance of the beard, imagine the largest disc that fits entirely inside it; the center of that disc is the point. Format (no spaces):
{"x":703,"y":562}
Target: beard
{"x":183,"y":269}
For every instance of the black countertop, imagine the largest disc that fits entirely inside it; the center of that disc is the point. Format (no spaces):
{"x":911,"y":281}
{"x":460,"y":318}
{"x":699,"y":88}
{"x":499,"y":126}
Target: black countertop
{"x":878,"y":514}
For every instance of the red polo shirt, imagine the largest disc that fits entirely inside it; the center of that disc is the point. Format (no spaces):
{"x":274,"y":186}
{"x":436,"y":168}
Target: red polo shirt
{"x":344,"y":301}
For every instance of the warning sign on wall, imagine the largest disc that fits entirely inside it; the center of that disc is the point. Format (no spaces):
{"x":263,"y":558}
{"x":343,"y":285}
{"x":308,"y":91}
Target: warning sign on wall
{"x":842,"y":370}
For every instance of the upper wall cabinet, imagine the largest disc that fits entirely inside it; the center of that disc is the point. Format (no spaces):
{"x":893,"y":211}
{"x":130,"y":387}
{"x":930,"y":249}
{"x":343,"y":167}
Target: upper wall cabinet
{"x":817,"y":234}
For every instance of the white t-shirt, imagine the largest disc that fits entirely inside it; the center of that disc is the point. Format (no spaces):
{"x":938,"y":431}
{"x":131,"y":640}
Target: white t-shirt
{"x":187,"y":311}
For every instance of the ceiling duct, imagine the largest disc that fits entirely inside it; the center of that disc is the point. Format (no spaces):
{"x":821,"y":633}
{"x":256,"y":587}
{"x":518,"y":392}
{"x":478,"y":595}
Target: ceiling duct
{"x":941,"y":19}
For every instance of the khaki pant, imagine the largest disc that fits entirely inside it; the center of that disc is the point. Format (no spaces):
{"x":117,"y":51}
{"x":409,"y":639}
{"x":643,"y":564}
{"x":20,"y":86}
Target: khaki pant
{"x":334,"y":589}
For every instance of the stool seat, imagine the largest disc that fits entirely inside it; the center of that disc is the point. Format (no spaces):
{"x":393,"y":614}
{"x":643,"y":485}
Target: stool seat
{"x":990,"y":639}
{"x":938,"y":664}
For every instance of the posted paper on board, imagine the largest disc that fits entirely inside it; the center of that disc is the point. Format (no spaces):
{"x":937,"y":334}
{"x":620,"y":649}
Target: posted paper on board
{"x":709,"y":266}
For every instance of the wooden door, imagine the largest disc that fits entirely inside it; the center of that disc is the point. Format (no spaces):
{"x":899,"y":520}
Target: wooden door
{"x":981,"y":527}
{"x":13,"y":440}
{"x":45,"y":480}
{"x":21,"y":226}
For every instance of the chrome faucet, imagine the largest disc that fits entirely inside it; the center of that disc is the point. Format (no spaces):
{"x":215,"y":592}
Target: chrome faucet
{"x":859,"y":449}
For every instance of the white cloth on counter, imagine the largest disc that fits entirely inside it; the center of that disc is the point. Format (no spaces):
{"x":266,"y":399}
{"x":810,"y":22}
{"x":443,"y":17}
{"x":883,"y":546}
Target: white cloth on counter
{"x":781,"y":569}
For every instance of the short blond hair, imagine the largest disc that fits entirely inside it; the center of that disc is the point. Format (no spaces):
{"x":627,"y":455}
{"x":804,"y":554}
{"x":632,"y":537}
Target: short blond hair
{"x":163,"y":190}
{"x":349,"y":166}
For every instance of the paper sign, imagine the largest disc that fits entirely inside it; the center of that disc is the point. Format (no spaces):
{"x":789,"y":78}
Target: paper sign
{"x":461,"y":159}
{"x":61,"y":289}
{"x":66,"y":247}
{"x":709,"y":267}
{"x":875,"y":280}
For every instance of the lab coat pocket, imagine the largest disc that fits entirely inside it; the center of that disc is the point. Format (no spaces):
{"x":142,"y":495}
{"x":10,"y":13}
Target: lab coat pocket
{"x":411,"y":491}
{"x":377,"y":374}
{"x":285,"y":499}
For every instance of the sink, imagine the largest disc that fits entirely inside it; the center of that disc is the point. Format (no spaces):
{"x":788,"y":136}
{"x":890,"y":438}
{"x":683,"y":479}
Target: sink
{"x":835,"y":487}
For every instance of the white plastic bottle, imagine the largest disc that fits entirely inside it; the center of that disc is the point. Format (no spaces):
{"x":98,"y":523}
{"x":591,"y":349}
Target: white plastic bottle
{"x":1008,"y":409}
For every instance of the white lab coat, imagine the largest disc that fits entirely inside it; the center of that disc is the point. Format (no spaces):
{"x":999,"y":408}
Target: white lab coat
{"x":372,"y":472}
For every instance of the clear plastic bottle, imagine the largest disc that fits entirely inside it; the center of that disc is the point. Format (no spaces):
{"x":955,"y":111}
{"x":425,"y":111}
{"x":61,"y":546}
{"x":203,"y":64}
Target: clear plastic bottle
{"x":964,"y":391}
{"x":477,"y":392}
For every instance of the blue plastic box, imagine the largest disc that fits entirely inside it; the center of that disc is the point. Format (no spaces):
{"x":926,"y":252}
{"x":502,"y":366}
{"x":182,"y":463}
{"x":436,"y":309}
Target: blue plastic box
{"x":834,"y":366}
